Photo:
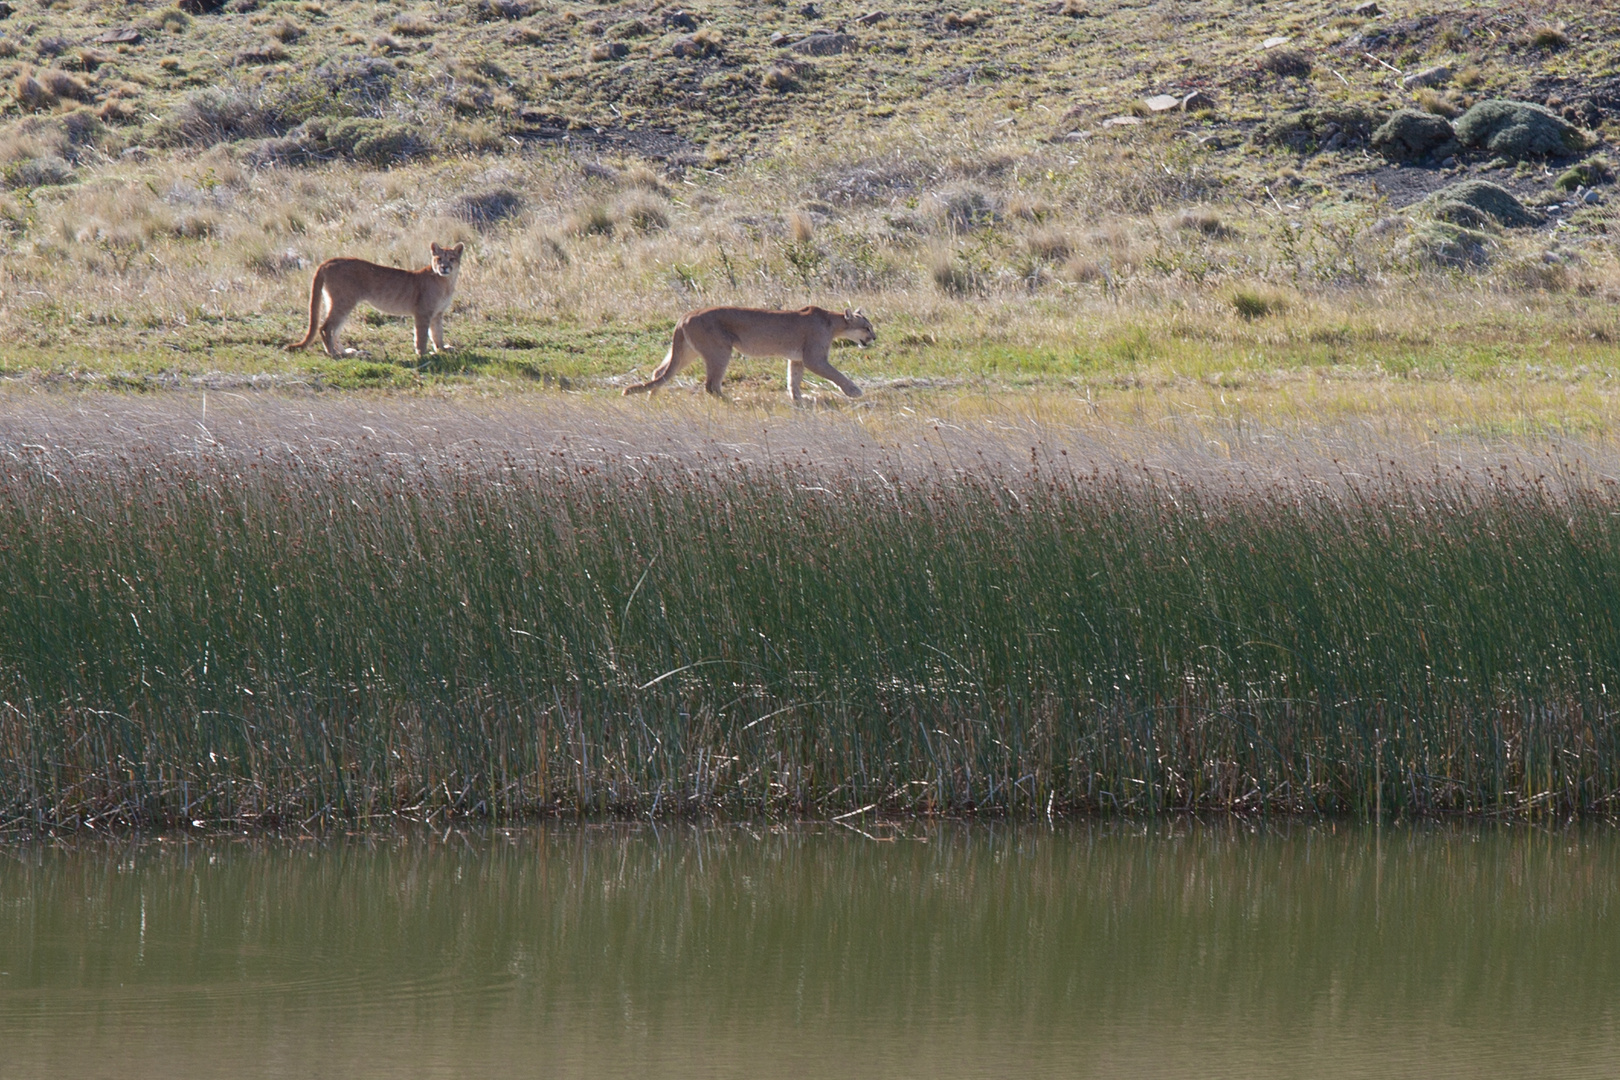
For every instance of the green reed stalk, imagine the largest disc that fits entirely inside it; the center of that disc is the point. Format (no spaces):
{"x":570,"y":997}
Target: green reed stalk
{"x":282,"y":638}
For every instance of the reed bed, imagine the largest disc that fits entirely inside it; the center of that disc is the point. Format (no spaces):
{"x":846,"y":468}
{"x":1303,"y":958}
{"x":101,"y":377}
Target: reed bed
{"x":253,"y":618}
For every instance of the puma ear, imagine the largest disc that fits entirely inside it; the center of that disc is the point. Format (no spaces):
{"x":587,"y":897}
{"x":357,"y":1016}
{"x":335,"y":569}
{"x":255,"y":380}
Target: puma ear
{"x":848,"y":314}
{"x":457,"y":248}
{"x":434,"y":247}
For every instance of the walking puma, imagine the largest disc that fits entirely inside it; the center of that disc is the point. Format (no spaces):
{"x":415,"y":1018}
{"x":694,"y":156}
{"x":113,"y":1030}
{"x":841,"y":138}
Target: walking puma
{"x":803,"y":336}
{"x":424,"y":294}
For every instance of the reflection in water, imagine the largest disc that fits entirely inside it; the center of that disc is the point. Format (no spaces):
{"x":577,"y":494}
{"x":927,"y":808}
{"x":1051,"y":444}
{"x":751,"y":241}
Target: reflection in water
{"x":1088,"y":950}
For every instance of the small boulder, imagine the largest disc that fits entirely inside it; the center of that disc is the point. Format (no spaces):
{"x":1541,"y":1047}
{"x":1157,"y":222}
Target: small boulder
{"x":124,"y":35}
{"x":1517,"y":130}
{"x":871,"y":18}
{"x":810,"y":11}
{"x":1435,"y":76}
{"x":1197,"y":101}
{"x":1476,"y":203}
{"x":1411,"y":135}
{"x":823,"y":44}
{"x":695,"y":46}
{"x":1369,"y":9}
{"x":680,"y":20}
{"x":1162,"y":103}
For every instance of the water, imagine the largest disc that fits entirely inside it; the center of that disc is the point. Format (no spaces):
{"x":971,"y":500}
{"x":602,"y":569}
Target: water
{"x":924,"y":951}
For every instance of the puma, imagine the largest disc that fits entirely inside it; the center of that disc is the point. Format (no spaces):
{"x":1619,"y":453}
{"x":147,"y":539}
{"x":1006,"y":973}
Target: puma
{"x":424,"y":294}
{"x":803,"y":336}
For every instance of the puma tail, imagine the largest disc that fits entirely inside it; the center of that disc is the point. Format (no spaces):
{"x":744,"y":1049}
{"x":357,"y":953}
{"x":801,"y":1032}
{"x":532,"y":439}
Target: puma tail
{"x":661,"y":373}
{"x":317,"y":290}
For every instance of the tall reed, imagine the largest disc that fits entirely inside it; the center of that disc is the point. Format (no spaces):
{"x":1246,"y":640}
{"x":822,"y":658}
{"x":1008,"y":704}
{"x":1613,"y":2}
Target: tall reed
{"x":274,"y":635}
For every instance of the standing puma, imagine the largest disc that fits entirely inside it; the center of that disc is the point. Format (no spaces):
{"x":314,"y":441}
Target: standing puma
{"x":424,"y":294}
{"x":803,"y":336}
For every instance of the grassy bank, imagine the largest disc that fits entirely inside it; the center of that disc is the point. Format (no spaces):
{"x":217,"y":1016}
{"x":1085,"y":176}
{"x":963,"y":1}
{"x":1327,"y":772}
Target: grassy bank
{"x":421,"y":615}
{"x":989,"y":182}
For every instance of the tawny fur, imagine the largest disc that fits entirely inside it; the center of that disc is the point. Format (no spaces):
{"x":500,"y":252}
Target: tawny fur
{"x":804,"y":337}
{"x":424,"y":294}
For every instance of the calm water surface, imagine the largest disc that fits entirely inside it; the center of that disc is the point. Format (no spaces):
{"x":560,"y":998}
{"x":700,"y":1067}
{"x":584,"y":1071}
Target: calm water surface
{"x":948,"y":951}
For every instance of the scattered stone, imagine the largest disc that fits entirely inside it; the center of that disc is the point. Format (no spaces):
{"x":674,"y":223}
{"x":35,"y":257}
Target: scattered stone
{"x":1517,"y":130}
{"x":1476,"y":203}
{"x":872,"y":17}
{"x":680,"y":20}
{"x":1273,"y":42}
{"x":126,"y":35}
{"x":1449,"y":163}
{"x":810,"y":11}
{"x":695,"y":46}
{"x":136,"y":153}
{"x":1367,"y":10}
{"x":1197,"y":101}
{"x":1435,"y":76}
{"x":1077,"y":136}
{"x":7,"y":11}
{"x":1162,"y":103}
{"x":1287,"y":63}
{"x":823,"y":44}
{"x":1411,"y":135}
{"x":200,"y":7}
{"x":1122,"y":121}
{"x":1592,"y":198}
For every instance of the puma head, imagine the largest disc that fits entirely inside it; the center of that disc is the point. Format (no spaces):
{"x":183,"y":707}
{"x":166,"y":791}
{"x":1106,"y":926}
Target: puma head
{"x":446,"y":260}
{"x":858,"y":328}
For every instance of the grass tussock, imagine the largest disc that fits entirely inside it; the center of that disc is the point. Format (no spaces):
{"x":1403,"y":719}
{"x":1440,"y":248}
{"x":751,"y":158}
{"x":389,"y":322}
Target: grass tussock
{"x":282,"y":625}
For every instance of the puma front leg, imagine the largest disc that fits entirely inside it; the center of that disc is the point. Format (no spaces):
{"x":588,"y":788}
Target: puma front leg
{"x":422,"y":324}
{"x":819,"y":365}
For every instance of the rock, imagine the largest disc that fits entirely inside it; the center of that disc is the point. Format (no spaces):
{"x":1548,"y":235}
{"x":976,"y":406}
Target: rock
{"x":1162,"y":103}
{"x":126,"y":35}
{"x":1517,"y":130}
{"x":1077,"y":136}
{"x":1411,"y":135}
{"x":1197,"y":101}
{"x":1435,"y":76}
{"x":1273,"y":42}
{"x":781,"y":37}
{"x":872,"y":17}
{"x":136,"y":153}
{"x":823,"y":44}
{"x":1592,"y":198}
{"x":1367,"y":10}
{"x":1449,"y":163}
{"x":1122,"y":121}
{"x":1475,"y":203}
{"x":680,"y":20}
{"x":810,"y":11}
{"x":7,"y":11}
{"x":604,"y":51}
{"x":694,"y":46}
